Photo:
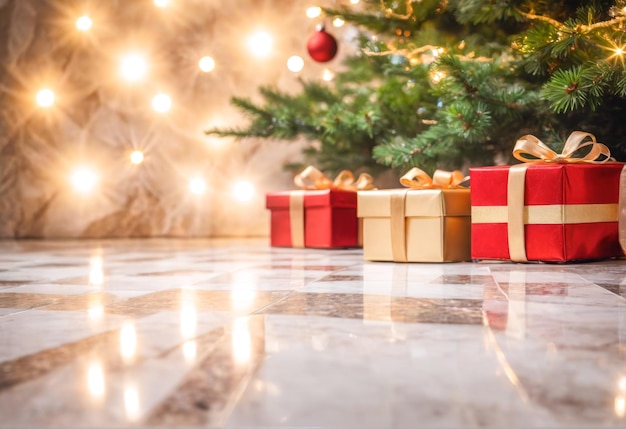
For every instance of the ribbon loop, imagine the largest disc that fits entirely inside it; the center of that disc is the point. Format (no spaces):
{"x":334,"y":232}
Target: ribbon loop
{"x":529,"y":148}
{"x":416,"y":178}
{"x":312,"y":178}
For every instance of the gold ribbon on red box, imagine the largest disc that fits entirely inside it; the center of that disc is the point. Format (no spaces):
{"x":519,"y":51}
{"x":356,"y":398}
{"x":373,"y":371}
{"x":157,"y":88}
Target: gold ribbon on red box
{"x":313,"y":179}
{"x":580,"y":147}
{"x":414,"y":179}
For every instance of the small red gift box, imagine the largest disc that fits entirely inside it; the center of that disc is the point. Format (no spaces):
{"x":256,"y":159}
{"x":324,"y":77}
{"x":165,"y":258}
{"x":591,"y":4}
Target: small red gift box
{"x":319,"y":218}
{"x":323,"y":215}
{"x":546,"y":211}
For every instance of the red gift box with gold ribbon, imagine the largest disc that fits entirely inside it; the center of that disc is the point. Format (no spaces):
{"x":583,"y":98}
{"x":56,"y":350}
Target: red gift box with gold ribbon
{"x":322,"y":215}
{"x":552,"y":208}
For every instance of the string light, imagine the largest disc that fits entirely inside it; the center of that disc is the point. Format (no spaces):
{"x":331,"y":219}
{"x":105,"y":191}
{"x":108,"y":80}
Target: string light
{"x":45,"y":97}
{"x":338,"y":22}
{"x":133,"y":67}
{"x":136,"y":157}
{"x":314,"y":12}
{"x":436,"y":76}
{"x":243,"y":191}
{"x":206,"y":64}
{"x":354,"y":1}
{"x":84,"y":179}
{"x":84,"y":23}
{"x":295,"y":63}
{"x":328,"y":75}
{"x":260,"y":44}
{"x":161,"y":3}
{"x":197,"y":186}
{"x":162,"y":103}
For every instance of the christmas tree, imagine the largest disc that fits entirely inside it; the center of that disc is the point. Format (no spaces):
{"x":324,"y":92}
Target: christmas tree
{"x":452,"y":83}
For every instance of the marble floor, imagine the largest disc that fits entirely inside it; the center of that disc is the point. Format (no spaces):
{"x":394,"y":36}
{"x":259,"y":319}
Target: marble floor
{"x":185,"y":333}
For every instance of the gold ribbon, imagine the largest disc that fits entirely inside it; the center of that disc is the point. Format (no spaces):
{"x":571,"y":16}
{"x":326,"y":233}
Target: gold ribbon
{"x":532,"y":151}
{"x":577,"y":140}
{"x":296,"y":218}
{"x":312,"y":178}
{"x":622,"y":209}
{"x":415,"y":178}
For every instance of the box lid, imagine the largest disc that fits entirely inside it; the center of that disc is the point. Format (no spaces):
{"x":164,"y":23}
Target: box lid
{"x":423,"y":202}
{"x":313,"y":198}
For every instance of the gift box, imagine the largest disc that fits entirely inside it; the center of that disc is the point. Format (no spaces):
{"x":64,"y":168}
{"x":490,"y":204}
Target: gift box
{"x":559,"y":208}
{"x":423,"y":224}
{"x":316,"y":218}
{"x":322,"y":215}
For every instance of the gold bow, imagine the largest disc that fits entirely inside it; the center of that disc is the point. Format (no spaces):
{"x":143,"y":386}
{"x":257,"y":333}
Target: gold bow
{"x":530,"y":145}
{"x":312,"y":178}
{"x":532,"y":151}
{"x":417,"y":178}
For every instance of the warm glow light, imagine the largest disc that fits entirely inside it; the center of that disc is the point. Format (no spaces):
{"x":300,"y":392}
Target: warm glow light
{"x":206,"y":64}
{"x":243,"y":191}
{"x":84,"y":179}
{"x":96,"y":273}
{"x":354,"y":1}
{"x":622,"y":384}
{"x":95,"y":379}
{"x":241,"y":341}
{"x":436,"y":76}
{"x":161,"y":3}
{"x":190,"y":349}
{"x":260,"y":44}
{"x":295,"y":64}
{"x":84,"y":23}
{"x":136,"y":157}
{"x":620,"y":406}
{"x":197,"y":186}
{"x":45,"y":97}
{"x":328,"y":75}
{"x":243,"y":291}
{"x":338,"y":22}
{"x":314,"y":12}
{"x":188,"y":315}
{"x":162,"y":103}
{"x":134,"y":67}
{"x":131,"y":402}
{"x":619,"y":52}
{"x":95,"y":313}
{"x":128,"y":341}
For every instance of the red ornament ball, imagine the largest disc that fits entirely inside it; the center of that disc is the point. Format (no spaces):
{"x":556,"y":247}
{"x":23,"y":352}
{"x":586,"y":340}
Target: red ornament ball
{"x":322,"y":46}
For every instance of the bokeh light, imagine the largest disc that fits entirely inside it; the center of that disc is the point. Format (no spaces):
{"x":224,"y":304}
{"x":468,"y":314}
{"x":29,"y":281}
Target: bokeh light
{"x":328,"y":75}
{"x":260,"y":44}
{"x":243,"y":191}
{"x":161,"y":3}
{"x":84,"y":23}
{"x":295,"y":63}
{"x":84,"y":179}
{"x":197,"y":186}
{"x":45,"y":97}
{"x":314,"y":12}
{"x":133,"y":67}
{"x":136,"y":157}
{"x":162,"y":103}
{"x":338,"y":22}
{"x":206,"y":64}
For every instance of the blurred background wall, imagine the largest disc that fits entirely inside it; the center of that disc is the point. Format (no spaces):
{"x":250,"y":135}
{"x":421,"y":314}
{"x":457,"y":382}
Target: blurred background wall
{"x":103,"y":107}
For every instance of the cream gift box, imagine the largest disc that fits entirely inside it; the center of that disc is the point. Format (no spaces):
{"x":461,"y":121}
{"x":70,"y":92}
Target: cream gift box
{"x":417,"y":225}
